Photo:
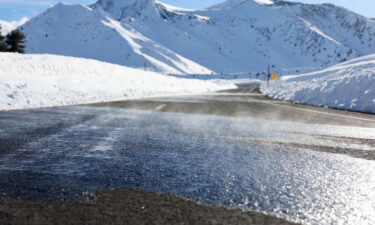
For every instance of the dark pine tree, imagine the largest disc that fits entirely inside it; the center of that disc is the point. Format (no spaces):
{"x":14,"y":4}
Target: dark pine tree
{"x":15,"y":41}
{"x":3,"y":46}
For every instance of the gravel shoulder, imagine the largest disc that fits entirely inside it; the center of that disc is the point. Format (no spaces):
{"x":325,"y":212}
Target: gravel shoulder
{"x":126,"y":206}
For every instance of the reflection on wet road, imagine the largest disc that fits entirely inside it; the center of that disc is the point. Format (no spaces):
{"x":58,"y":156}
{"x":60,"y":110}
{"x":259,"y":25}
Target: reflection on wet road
{"x":280,"y":168}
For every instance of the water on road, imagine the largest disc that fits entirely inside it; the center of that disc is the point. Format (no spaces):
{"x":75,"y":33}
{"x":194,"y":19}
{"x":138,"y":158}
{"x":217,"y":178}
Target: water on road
{"x":268,"y":166}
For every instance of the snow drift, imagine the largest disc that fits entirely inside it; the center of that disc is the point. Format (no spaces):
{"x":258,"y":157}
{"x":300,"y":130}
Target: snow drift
{"x":28,"y":81}
{"x":349,"y":85}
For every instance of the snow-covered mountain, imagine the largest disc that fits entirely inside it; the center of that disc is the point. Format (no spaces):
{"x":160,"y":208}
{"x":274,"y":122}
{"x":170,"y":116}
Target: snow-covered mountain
{"x":235,"y":36}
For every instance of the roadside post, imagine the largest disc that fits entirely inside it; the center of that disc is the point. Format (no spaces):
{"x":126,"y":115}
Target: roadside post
{"x":268,"y":75}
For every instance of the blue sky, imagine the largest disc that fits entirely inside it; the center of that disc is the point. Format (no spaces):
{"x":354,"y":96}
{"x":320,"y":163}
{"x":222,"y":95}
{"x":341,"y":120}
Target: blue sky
{"x":16,"y":9}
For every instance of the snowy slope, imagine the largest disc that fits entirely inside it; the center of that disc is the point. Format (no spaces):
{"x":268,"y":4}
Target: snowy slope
{"x":7,"y":27}
{"x":28,"y":81}
{"x":349,"y":85}
{"x":235,"y":36}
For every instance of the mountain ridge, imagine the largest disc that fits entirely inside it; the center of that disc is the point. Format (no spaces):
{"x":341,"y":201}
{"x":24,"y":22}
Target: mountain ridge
{"x":230,"y":38}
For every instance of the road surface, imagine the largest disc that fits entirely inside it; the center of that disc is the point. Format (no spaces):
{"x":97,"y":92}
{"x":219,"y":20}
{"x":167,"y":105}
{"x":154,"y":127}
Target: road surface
{"x":236,"y":149}
{"x":246,"y":101}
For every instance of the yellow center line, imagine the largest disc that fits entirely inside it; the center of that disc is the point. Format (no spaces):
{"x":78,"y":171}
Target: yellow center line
{"x":160,"y":107}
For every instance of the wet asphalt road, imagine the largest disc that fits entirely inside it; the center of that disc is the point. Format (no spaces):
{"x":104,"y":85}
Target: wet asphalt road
{"x":234,"y":148}
{"x":247,"y":101}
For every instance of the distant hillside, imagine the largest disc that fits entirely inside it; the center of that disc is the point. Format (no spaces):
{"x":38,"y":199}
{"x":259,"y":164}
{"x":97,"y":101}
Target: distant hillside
{"x":7,"y":27}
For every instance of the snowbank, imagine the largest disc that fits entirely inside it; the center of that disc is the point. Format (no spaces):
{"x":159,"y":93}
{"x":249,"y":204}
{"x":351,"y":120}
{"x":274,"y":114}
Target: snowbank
{"x":28,"y":81}
{"x":349,"y":85}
